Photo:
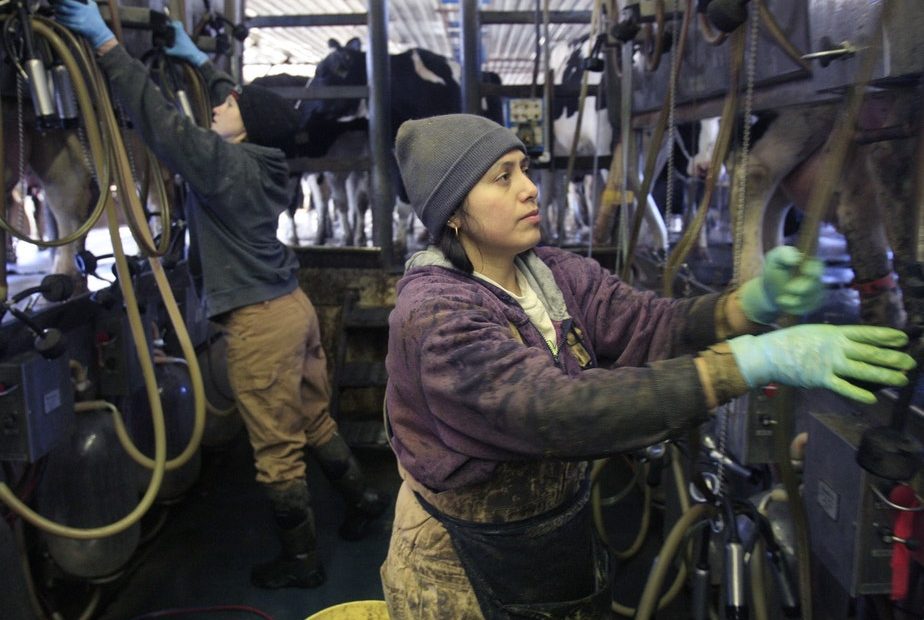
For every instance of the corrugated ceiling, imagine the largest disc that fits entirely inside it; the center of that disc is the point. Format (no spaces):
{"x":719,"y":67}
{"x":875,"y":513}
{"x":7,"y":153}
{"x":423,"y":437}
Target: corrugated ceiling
{"x":508,"y":49}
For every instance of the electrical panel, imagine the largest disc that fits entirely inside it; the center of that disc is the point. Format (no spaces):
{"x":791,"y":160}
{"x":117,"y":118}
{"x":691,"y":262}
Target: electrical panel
{"x":36,"y":405}
{"x":752,"y":421}
{"x":526,"y":118}
{"x":848,"y":523}
{"x":118,"y":369}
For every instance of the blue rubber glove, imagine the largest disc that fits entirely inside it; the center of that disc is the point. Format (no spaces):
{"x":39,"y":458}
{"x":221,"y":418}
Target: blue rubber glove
{"x":184,"y":48}
{"x":824,"y":356}
{"x":780,"y":288}
{"x":83,"y":19}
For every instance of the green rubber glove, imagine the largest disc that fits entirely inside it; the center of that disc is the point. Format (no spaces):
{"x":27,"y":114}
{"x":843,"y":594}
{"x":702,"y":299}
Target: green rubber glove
{"x":825,"y":356}
{"x":780,"y":288}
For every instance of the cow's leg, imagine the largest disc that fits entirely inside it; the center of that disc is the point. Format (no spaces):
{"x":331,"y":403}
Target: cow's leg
{"x":57,"y":160}
{"x":657,"y":230}
{"x":891,"y":169}
{"x":861,"y":220}
{"x":358,"y":203}
{"x":547,"y":212}
{"x":320,"y":197}
{"x":789,"y":140}
{"x":574,"y":224}
{"x":340,"y":201}
{"x":403,"y":225}
{"x":295,"y":203}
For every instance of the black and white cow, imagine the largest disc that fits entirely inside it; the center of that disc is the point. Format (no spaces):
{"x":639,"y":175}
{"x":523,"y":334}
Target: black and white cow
{"x":872,"y":202}
{"x":595,"y":137}
{"x":331,"y":193}
{"x":575,"y":222}
{"x":423,"y":84}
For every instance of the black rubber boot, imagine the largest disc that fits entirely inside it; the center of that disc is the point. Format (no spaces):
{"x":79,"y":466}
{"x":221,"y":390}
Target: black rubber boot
{"x":363,"y":503}
{"x":297,"y":565}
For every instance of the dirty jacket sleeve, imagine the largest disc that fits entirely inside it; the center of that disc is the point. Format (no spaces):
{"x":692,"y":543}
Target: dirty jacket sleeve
{"x":208,"y":163}
{"x":464,"y":393}
{"x":629,"y":326}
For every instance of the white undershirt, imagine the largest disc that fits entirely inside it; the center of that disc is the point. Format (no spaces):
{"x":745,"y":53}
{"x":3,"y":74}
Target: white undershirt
{"x":532,"y":306}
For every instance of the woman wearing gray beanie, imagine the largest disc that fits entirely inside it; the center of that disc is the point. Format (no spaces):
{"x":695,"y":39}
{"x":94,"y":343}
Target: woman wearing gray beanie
{"x":510,"y":366}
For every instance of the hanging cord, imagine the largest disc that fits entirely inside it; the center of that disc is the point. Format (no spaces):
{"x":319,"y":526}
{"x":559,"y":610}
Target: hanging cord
{"x":163,"y":286}
{"x":717,"y":37}
{"x":779,"y":36}
{"x":101,"y":164}
{"x":648,"y":603}
{"x":758,"y":561}
{"x":691,"y":235}
{"x":834,"y":153}
{"x":64,"y":41}
{"x":653,"y":60}
{"x":639,"y":478}
{"x":656,"y":139}
{"x":582,"y":98}
{"x":710,"y":34}
{"x":680,"y":484}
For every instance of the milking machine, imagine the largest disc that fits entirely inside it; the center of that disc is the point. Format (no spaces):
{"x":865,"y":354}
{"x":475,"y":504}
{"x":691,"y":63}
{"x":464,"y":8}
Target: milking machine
{"x":102,"y":401}
{"x":758,"y":522}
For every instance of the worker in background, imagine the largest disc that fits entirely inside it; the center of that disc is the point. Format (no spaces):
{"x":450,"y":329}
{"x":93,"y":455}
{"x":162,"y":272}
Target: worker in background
{"x":238,"y":178}
{"x":510,"y":366}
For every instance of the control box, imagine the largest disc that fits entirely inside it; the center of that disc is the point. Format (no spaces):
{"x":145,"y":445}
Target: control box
{"x":848,"y":523}
{"x":118,"y":369}
{"x":526,"y":118}
{"x":752,"y":423}
{"x":36,"y":405}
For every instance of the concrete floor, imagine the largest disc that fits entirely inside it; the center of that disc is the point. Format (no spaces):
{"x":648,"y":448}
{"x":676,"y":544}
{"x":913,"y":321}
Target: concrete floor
{"x":200,"y":559}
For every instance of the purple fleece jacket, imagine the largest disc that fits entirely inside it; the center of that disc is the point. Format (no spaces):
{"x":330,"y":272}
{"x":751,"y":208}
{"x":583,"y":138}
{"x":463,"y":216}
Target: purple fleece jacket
{"x":464,"y":394}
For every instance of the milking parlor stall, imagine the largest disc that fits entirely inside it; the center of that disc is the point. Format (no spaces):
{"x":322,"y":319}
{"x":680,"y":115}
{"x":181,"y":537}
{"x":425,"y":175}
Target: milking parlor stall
{"x":673,"y":141}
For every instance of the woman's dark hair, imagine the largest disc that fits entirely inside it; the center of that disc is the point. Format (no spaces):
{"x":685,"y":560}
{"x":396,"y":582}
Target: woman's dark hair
{"x":452,"y":248}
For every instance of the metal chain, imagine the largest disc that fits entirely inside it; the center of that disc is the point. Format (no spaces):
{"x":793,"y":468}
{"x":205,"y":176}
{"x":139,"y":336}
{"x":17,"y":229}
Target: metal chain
{"x":671,"y":120}
{"x":85,"y":150}
{"x":727,"y":409}
{"x":20,"y":132}
{"x":741,"y":167}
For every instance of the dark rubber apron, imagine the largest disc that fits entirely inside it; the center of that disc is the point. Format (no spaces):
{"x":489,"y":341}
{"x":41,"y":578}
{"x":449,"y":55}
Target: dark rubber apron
{"x":547,"y":566}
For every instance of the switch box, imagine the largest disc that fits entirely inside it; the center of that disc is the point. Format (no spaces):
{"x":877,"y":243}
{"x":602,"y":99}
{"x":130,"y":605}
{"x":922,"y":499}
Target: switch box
{"x":752,"y":423}
{"x":118,"y":369}
{"x":36,"y":405}
{"x":845,"y":517}
{"x":525,"y":118}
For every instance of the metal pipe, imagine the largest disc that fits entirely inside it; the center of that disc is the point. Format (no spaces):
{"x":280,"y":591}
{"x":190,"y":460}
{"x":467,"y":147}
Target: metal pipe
{"x":471,"y":58}
{"x":380,"y":133}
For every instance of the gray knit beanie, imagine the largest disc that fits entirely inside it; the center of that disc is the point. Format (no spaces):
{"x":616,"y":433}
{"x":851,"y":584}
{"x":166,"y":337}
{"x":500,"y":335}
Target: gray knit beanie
{"x":441,"y":158}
